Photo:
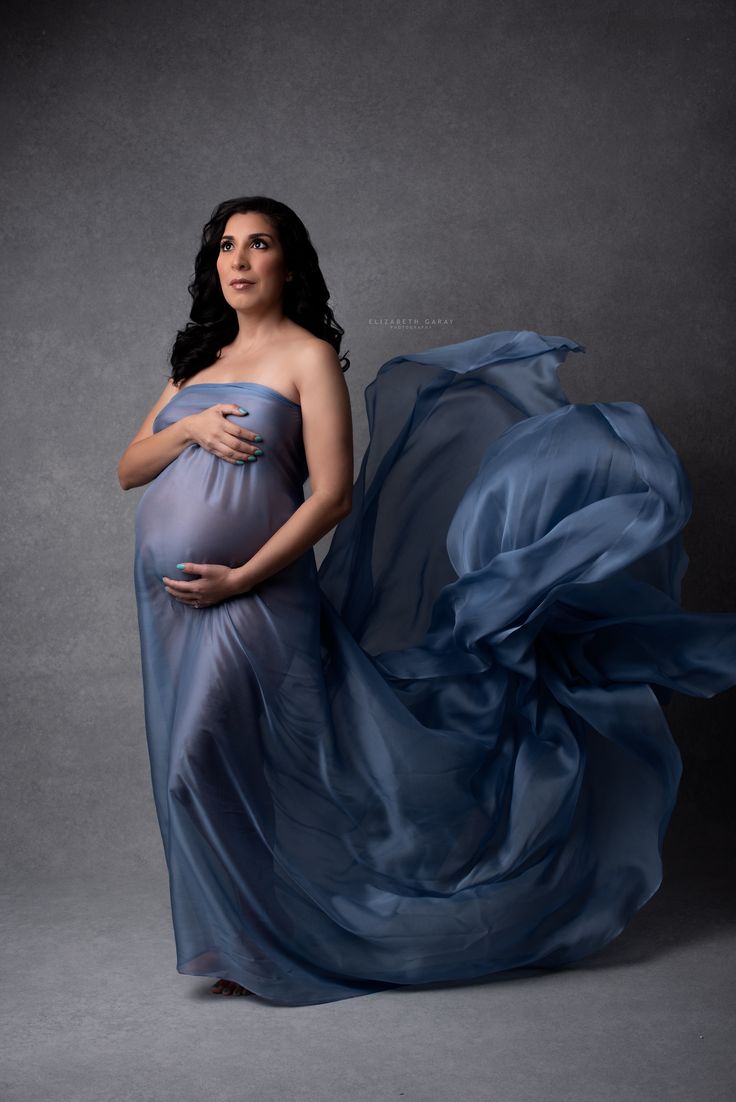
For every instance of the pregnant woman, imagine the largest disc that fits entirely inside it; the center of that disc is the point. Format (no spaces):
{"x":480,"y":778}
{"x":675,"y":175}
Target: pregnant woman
{"x":443,"y":754}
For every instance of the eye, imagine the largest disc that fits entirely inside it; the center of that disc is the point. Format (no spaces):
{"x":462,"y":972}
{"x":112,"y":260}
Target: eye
{"x":256,"y":241}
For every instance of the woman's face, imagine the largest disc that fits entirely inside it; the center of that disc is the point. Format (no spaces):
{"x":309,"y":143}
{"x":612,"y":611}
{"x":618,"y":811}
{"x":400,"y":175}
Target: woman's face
{"x":250,"y":251}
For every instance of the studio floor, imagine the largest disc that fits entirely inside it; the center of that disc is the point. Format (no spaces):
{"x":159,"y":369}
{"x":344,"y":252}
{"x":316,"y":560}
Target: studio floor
{"x":94,"y":1010}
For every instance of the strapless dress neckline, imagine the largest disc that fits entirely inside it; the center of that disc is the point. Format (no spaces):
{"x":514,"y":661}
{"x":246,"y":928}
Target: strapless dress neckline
{"x":256,"y":386}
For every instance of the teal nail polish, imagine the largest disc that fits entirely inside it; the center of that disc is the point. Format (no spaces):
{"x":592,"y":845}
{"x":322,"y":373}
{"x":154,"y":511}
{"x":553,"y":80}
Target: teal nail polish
{"x":240,"y":461}
{"x":252,"y":459}
{"x":180,"y":566}
{"x":241,"y":410}
{"x":258,"y":451}
{"x":258,"y":436}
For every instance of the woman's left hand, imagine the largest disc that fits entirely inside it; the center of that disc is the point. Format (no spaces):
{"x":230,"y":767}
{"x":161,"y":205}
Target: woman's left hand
{"x":216,"y":584}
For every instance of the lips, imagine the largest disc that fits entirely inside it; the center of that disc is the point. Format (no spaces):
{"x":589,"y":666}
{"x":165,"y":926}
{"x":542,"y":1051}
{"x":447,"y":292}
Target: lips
{"x":241,"y":282}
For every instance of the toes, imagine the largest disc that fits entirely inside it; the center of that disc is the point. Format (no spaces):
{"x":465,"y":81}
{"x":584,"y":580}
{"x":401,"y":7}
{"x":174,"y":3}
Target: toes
{"x":228,"y":987}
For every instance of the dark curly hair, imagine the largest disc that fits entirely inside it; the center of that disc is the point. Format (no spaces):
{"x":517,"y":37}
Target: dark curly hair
{"x":214,"y":322}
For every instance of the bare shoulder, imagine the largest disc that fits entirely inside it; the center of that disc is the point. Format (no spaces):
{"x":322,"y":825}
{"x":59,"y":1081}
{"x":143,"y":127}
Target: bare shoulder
{"x":146,"y":427}
{"x":326,"y":421}
{"x":318,"y":369}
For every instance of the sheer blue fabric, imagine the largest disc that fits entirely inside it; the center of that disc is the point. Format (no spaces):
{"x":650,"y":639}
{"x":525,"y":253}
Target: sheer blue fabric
{"x":443,"y":754}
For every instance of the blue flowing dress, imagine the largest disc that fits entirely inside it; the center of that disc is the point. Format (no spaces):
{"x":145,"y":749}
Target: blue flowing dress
{"x":443,"y":753}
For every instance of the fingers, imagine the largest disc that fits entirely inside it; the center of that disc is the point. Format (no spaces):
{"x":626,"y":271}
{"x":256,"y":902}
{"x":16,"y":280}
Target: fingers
{"x":195,"y":568}
{"x":227,"y":440}
{"x":189,"y":592}
{"x":244,"y":446}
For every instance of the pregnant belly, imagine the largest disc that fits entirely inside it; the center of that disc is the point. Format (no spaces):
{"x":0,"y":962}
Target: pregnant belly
{"x":217,"y":520}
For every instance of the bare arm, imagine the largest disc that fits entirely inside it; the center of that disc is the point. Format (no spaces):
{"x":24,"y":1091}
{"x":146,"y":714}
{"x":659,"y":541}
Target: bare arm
{"x":327,"y":429}
{"x":148,"y":453}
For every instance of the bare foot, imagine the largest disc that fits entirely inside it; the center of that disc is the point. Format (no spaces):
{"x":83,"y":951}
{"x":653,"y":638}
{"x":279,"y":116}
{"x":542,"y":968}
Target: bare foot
{"x":229,"y":987}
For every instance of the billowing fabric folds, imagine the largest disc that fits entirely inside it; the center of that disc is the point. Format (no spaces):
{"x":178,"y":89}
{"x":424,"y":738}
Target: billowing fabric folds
{"x":443,"y":753}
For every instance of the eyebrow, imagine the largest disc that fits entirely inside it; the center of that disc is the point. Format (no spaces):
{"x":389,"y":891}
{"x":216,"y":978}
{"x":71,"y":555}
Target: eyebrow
{"x":229,"y":236}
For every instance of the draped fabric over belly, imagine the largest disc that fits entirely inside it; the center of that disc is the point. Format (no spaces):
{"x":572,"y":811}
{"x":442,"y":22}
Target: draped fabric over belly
{"x":443,"y":754}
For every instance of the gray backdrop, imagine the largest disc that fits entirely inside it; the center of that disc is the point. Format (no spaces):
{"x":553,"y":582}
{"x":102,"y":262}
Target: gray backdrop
{"x":513,"y":165}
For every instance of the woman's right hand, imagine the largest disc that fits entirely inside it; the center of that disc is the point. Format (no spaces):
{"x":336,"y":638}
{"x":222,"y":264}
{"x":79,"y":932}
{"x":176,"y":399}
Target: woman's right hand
{"x":212,"y":430}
